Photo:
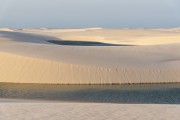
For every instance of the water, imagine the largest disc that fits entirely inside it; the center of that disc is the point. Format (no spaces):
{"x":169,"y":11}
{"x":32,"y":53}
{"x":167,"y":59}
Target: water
{"x":126,"y":94}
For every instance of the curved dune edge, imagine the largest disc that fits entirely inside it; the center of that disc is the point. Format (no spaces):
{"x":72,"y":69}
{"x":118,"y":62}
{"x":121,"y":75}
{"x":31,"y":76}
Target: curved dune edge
{"x":6,"y":29}
{"x":140,"y":37}
{"x":21,"y":69}
{"x":28,"y":56}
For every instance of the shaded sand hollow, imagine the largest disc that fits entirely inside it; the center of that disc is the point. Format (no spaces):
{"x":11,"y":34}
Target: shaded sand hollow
{"x":89,"y":56}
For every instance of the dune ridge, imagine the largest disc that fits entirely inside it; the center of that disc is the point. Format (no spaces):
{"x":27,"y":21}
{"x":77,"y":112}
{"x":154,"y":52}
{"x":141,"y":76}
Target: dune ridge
{"x":27,"y":56}
{"x":6,"y":29}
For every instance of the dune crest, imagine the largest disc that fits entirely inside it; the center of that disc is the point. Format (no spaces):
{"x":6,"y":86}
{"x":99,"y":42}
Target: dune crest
{"x":6,"y":29}
{"x":95,"y":56}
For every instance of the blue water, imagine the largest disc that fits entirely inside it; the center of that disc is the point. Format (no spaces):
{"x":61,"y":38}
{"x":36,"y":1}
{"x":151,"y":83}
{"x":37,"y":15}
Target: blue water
{"x":128,"y":94}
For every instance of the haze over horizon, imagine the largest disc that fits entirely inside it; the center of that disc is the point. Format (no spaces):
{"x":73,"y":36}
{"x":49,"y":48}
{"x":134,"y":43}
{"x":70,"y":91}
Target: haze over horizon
{"x":90,"y":13}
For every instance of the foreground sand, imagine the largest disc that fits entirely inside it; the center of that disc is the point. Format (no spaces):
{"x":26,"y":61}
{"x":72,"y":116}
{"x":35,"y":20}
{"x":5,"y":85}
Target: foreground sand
{"x":89,"y":56}
{"x":21,"y":110}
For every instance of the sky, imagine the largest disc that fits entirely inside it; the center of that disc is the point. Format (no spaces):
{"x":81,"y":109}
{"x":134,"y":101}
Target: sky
{"x":89,"y":13}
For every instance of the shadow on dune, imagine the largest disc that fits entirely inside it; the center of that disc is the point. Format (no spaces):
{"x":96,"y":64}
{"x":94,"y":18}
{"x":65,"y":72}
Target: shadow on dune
{"x":126,"y":94}
{"x":82,"y":43}
{"x":42,"y":39}
{"x":26,"y":37}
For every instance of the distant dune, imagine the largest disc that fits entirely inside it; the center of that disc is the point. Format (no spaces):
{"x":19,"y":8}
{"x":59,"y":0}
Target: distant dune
{"x":5,"y":29}
{"x":89,"y":56}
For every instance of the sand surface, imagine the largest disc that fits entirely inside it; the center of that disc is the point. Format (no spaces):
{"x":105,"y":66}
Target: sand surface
{"x":25,"y":110}
{"x":89,"y":56}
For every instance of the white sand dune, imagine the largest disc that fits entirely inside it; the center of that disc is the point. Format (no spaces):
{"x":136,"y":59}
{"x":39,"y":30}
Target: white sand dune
{"x":117,"y":36}
{"x":90,"y":56}
{"x":5,"y":29}
{"x":86,"y":111}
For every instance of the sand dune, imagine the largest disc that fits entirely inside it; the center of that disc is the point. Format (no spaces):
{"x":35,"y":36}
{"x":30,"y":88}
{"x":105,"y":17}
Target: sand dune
{"x":90,"y":56}
{"x":117,"y":36}
{"x":5,"y":29}
{"x":81,"y":111}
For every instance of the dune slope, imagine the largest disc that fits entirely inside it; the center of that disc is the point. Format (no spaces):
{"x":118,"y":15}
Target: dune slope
{"x":60,"y":57}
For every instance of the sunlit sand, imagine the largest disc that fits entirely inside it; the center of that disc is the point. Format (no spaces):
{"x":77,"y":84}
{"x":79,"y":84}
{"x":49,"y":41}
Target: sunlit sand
{"x":81,"y":111}
{"x":89,"y":56}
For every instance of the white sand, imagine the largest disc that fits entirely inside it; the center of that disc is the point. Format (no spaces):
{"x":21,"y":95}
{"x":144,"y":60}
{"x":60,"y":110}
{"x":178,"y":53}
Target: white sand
{"x":86,"y":111}
{"x":5,"y":29}
{"x":27,"y":57}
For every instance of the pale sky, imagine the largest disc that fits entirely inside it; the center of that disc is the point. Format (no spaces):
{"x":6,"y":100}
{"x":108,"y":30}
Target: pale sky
{"x":89,"y":13}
